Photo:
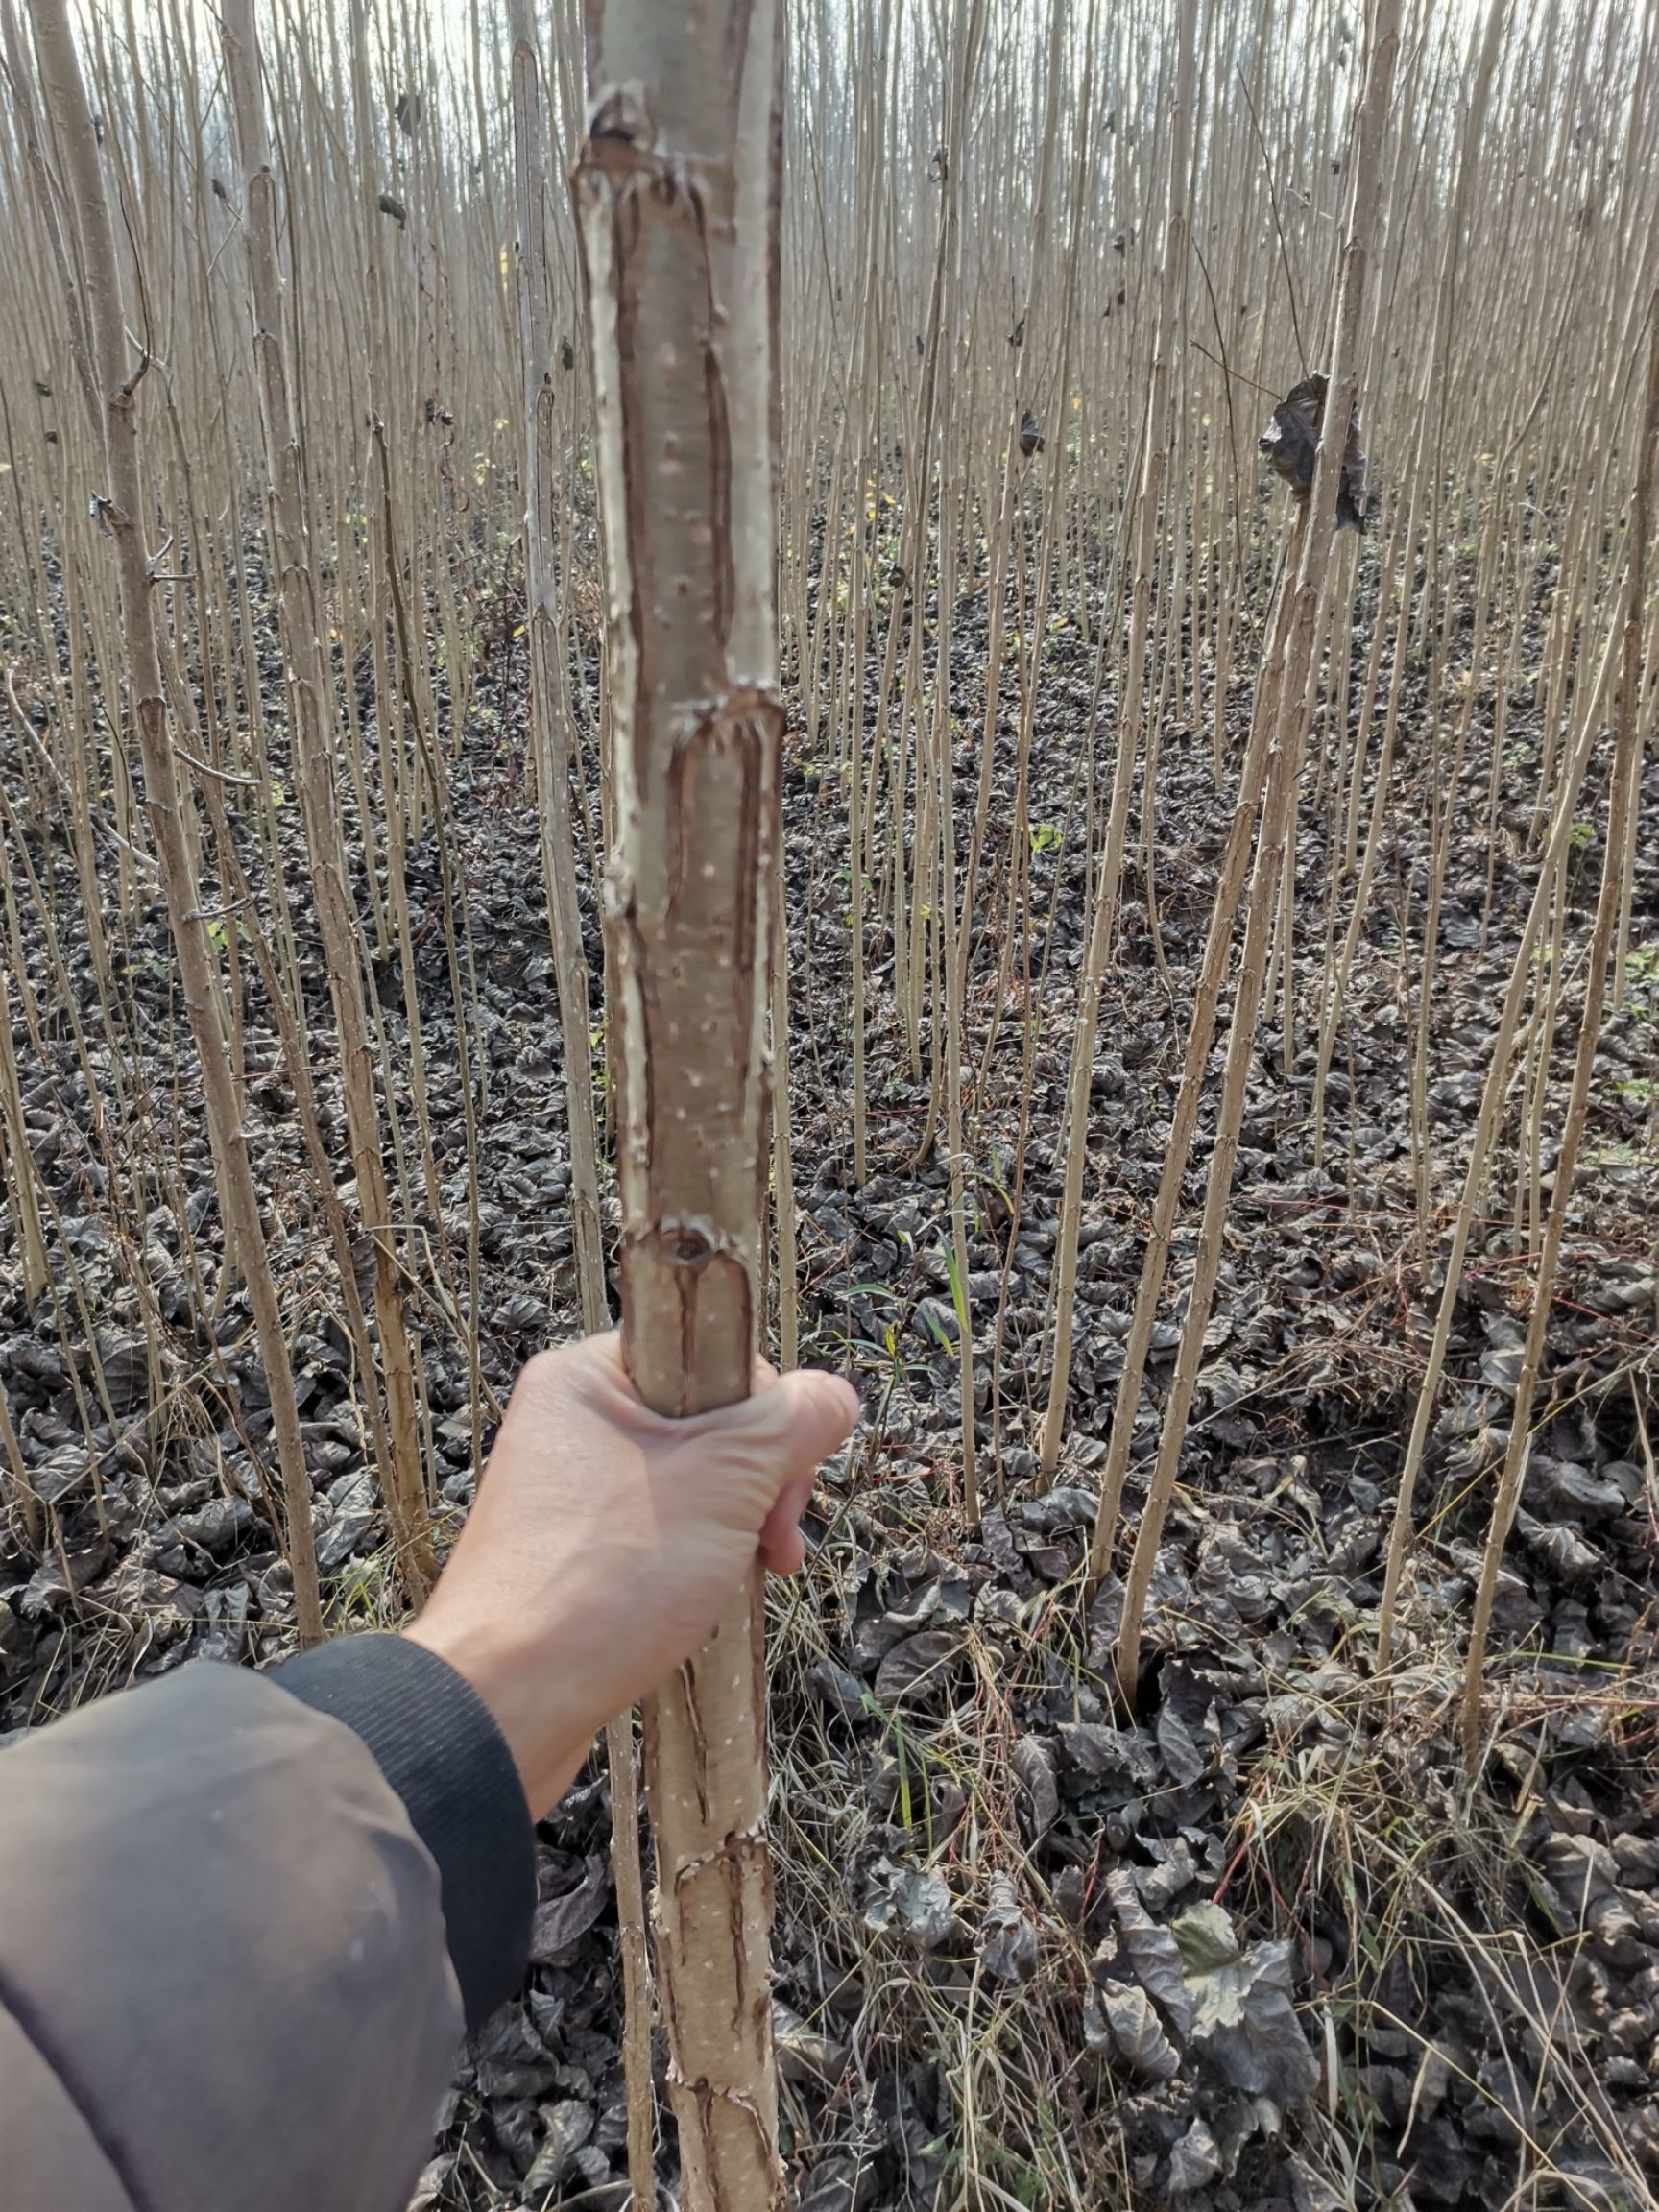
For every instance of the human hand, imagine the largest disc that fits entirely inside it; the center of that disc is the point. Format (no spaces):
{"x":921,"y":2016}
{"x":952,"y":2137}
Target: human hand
{"x":606,"y":1542}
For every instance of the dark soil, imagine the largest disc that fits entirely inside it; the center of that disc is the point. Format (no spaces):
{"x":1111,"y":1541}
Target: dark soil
{"x":1269,"y":1942}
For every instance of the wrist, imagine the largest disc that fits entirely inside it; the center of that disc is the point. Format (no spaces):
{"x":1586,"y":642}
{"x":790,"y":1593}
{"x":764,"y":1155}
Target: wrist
{"x":523,"y":1694}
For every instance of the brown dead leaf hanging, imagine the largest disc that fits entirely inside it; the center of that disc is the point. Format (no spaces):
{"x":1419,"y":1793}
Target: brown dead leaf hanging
{"x":1292,"y":439}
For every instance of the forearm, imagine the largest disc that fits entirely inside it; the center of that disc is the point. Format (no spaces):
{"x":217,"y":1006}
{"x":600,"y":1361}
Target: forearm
{"x":242,"y":1919}
{"x":440,"y":1749}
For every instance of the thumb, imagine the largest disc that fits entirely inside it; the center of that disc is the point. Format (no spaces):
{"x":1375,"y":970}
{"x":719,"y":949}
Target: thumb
{"x":821,"y":1412}
{"x":802,"y":1417}
{"x":755,"y":1455}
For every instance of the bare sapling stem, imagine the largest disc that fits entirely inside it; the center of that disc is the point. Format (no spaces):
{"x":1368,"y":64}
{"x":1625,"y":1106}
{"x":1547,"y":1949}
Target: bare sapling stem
{"x":309,"y":692}
{"x":118,"y":377}
{"x":1132,"y":731}
{"x":1292,"y":716}
{"x":677,"y":194}
{"x":18,"y":1163}
{"x":1493,"y":1094}
{"x":551,"y":748}
{"x":1622,"y":800}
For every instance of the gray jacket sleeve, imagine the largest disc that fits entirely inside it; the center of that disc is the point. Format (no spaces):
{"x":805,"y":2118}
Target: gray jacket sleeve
{"x":242,"y":1921}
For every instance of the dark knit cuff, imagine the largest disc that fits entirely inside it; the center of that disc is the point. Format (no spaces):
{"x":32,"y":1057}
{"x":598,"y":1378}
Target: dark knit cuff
{"x":439,"y":1749}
